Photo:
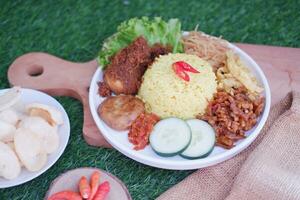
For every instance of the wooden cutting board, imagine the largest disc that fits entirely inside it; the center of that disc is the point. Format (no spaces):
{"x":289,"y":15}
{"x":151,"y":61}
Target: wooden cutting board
{"x":59,"y":77}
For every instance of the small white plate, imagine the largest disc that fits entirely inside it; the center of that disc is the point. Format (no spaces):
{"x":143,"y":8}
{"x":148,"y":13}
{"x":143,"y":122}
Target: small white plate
{"x":69,"y":181}
{"x":33,"y":96}
{"x":119,"y":140}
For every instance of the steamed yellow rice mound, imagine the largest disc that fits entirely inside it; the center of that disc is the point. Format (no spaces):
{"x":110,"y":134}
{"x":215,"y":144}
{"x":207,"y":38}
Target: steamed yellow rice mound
{"x":167,"y":95}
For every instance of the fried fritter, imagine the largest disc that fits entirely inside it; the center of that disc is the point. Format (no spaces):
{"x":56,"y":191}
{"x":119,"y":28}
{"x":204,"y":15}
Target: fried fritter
{"x":118,"y":112}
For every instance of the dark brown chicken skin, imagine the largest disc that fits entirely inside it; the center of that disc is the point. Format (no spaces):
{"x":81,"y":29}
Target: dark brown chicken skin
{"x":158,"y":49}
{"x":118,"y":112}
{"x":124,"y":74}
{"x":103,"y":89}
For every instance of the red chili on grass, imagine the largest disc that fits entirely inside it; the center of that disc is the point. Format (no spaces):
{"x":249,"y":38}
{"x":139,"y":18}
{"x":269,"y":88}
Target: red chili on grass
{"x":141,"y":128}
{"x":181,"y":68}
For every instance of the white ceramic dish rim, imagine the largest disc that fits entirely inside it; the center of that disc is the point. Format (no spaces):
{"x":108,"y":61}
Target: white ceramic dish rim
{"x":15,"y":182}
{"x":188,"y":164}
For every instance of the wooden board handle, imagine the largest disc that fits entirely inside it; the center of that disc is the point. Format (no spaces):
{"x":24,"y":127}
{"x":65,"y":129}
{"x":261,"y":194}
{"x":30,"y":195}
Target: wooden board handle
{"x":59,"y":77}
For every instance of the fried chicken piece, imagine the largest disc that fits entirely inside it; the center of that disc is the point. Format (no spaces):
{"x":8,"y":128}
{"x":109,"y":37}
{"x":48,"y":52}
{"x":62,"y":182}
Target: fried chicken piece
{"x":158,"y":49}
{"x":103,"y":89}
{"x":124,"y":74}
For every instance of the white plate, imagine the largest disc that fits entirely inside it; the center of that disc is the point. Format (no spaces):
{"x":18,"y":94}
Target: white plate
{"x":32,"y":96}
{"x":119,"y":140}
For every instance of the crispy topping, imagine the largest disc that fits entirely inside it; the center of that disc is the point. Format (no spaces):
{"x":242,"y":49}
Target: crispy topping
{"x":103,"y":89}
{"x":232,"y":114}
{"x":140,"y":130}
{"x":124,"y":74}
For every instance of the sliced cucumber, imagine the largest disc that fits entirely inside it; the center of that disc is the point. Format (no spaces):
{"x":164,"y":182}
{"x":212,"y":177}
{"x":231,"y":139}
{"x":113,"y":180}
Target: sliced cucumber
{"x":203,"y":140}
{"x":170,"y":137}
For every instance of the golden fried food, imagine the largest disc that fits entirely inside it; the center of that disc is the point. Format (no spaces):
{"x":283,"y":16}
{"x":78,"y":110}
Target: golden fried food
{"x":118,"y":112}
{"x":232,"y":115}
{"x":124,"y":74}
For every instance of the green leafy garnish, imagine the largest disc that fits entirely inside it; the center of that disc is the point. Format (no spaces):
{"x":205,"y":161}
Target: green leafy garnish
{"x":154,"y":31}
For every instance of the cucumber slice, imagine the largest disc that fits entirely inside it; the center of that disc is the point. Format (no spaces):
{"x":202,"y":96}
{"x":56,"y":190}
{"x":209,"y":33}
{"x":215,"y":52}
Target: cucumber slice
{"x":170,"y":137}
{"x":203,"y":140}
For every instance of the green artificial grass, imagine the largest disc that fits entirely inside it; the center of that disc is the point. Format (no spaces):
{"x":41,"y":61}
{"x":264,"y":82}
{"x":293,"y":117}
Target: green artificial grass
{"x":74,"y":31}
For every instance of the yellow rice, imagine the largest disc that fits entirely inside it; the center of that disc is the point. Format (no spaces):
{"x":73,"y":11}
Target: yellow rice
{"x":167,"y":95}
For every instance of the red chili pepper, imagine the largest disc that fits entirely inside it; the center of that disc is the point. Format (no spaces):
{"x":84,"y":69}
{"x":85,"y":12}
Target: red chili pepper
{"x":65,"y":195}
{"x":180,"y":72}
{"x":186,"y":67}
{"x":102,"y":191}
{"x":84,"y":187}
{"x":94,"y":184}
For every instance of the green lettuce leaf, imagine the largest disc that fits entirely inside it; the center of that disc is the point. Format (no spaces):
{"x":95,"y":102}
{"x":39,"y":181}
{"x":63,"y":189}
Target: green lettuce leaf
{"x":153,"y":30}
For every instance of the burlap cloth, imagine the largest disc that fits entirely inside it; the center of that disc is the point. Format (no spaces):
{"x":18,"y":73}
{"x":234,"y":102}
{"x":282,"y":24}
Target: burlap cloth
{"x":268,"y":169}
